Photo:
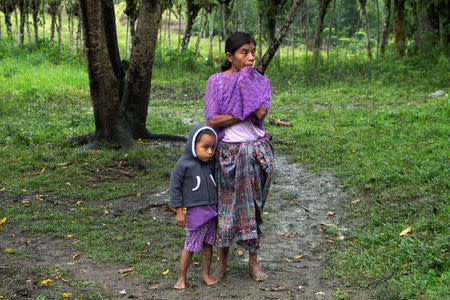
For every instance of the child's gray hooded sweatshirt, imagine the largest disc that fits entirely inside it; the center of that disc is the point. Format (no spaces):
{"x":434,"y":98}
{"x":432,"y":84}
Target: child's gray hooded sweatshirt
{"x":192,"y":181}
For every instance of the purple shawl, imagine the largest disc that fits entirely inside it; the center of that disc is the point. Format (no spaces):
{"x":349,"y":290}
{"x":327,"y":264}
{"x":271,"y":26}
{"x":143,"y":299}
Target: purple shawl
{"x":239,"y":94}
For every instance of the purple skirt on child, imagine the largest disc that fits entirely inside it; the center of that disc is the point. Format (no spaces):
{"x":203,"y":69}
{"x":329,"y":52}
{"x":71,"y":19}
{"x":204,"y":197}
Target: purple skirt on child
{"x":201,"y":227}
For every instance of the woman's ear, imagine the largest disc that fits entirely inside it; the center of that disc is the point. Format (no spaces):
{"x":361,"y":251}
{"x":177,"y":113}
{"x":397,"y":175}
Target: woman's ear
{"x":229,"y":57}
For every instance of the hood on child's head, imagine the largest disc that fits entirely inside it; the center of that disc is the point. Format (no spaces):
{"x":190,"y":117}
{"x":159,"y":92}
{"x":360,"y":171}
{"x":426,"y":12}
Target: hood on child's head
{"x":189,"y":149}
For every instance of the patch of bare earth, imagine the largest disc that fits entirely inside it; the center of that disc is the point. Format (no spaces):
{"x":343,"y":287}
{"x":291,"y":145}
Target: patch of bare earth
{"x":294,"y":248}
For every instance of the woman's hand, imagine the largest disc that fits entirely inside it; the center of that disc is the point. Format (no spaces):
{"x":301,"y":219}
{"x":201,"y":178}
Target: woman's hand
{"x":181,"y":217}
{"x":223,"y":121}
{"x":261,"y":112}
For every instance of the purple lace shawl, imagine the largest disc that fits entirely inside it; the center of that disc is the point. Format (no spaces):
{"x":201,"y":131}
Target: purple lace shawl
{"x":238,"y":94}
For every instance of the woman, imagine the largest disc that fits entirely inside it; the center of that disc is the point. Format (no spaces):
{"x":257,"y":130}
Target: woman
{"x":236,"y":103}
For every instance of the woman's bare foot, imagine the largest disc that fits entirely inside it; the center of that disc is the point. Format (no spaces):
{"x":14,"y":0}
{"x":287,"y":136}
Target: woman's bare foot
{"x":258,"y":275}
{"x":181,"y":284}
{"x":255,"y":271}
{"x":208,"y":280}
{"x":218,"y":274}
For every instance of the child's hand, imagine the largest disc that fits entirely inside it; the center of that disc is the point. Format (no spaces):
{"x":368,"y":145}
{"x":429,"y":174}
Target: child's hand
{"x":181,"y":217}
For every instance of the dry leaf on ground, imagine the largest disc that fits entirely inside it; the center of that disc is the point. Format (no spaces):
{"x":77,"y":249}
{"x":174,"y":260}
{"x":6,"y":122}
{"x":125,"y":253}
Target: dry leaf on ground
{"x":405,"y":231}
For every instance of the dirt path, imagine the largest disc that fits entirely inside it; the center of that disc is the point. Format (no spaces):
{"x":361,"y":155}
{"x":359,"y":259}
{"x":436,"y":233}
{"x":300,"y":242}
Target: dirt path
{"x":293,"y":246}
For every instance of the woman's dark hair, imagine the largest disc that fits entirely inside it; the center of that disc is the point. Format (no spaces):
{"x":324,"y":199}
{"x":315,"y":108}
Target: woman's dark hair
{"x":235,"y":41}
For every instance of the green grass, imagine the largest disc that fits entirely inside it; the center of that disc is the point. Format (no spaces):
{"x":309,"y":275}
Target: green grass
{"x":369,"y":123}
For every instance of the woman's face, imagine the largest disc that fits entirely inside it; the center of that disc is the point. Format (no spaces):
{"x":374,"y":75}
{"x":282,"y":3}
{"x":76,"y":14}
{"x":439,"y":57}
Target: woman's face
{"x":242,"y":57}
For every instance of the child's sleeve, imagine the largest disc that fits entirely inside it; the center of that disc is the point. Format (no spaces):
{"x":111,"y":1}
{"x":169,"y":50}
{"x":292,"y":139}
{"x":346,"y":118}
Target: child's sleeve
{"x":176,"y":184}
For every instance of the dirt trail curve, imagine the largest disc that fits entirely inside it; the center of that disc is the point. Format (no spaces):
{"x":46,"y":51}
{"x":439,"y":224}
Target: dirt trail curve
{"x":293,"y":246}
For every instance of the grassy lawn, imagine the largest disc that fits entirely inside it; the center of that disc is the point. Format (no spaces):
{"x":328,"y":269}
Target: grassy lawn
{"x":371,"y":124}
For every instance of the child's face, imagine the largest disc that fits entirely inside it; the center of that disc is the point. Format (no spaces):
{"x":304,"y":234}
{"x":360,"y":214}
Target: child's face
{"x":205,"y":147}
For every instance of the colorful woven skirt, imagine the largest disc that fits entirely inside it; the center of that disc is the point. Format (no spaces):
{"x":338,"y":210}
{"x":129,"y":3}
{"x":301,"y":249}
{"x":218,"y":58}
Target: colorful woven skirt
{"x":243,"y":173}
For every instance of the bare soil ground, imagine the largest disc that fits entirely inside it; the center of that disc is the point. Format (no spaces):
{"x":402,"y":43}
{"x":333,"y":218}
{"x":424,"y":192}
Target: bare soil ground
{"x":294,"y":248}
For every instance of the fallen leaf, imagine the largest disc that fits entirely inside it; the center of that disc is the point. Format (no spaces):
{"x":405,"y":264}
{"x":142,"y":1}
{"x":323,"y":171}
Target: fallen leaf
{"x":405,"y":231}
{"x":165,"y":272}
{"x":330,"y":213}
{"x":9,"y":250}
{"x":23,"y":190}
{"x":127,"y":270}
{"x":153,"y":287}
{"x":239,"y":252}
{"x":192,"y":293}
{"x":298,"y":256}
{"x":66,"y":295}
{"x":76,"y":256}
{"x":46,"y":281}
{"x":25,"y":201}
{"x":289,"y":235}
{"x":37,"y":198}
{"x":69,"y":236}
{"x":59,"y":277}
{"x":195,"y":263}
{"x":126,"y":274}
{"x":288,"y":260}
{"x":2,"y":189}
{"x":138,"y":194}
{"x":78,"y":202}
{"x":278,"y":288}
{"x":2,"y":220}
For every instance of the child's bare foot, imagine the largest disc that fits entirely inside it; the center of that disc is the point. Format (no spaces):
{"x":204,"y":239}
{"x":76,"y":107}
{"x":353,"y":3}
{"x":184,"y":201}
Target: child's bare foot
{"x":257,"y":274}
{"x":208,"y":280}
{"x":181,"y":284}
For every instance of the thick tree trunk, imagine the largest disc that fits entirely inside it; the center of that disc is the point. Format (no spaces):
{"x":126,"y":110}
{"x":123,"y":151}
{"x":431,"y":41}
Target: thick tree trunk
{"x":137,"y":88}
{"x":70,"y":28}
{"x":277,"y":40}
{"x":110,"y":123}
{"x":378,"y":28}
{"x":28,"y":30}
{"x":399,"y":27}
{"x":444,"y":32}
{"x":16,"y":32}
{"x":260,"y":32}
{"x":192,"y":11}
{"x":318,"y":40}
{"x":387,"y":16}
{"x":362,"y":3}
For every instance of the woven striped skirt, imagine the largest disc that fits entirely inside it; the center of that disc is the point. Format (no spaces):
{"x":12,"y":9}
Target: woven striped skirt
{"x":243,"y":173}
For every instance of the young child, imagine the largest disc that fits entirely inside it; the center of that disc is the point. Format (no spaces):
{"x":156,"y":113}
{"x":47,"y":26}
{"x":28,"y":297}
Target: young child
{"x":192,"y":186}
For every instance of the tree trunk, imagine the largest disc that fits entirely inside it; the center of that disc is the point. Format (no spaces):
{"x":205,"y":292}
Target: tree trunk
{"x":8,"y":26}
{"x":179,"y":27}
{"x":378,"y":28}
{"x":36,"y":5}
{"x":362,"y":3}
{"x":337,"y":31}
{"x":387,"y":16}
{"x":399,"y":27}
{"x":16,"y":32}
{"x":168,"y":25}
{"x":192,"y":11}
{"x":202,"y":29}
{"x":443,"y":14}
{"x":277,"y":40}
{"x":318,"y":40}
{"x":211,"y":34}
{"x":70,"y":28}
{"x":28,"y":29}
{"x":356,"y":38}
{"x":43,"y":20}
{"x":329,"y":31}
{"x":260,"y":15}
{"x":23,"y":12}
{"x":59,"y":30}
{"x":52,"y":29}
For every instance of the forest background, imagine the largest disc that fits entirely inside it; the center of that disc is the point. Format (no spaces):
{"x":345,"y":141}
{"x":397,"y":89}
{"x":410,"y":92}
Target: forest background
{"x":358,"y":80}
